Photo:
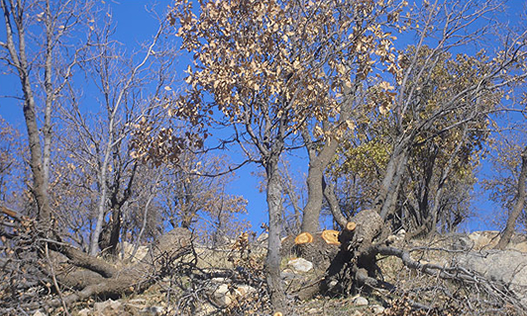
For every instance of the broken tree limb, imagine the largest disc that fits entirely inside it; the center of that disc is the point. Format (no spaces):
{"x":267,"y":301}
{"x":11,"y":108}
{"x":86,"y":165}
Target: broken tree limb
{"x":11,"y":213}
{"x":83,"y":260}
{"x":85,"y":276}
{"x":500,"y":278}
{"x":331,"y":198}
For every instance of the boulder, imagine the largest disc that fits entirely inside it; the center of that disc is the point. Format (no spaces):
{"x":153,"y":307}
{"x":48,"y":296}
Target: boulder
{"x":225,"y":295}
{"x":300,"y":265}
{"x":486,"y":240}
{"x":507,"y":268}
{"x":128,"y":250}
{"x":107,"y":306}
{"x":221,"y":296}
{"x":360,"y":301}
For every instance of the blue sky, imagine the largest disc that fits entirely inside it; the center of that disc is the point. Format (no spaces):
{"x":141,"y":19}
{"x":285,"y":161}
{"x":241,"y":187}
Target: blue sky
{"x":135,"y":25}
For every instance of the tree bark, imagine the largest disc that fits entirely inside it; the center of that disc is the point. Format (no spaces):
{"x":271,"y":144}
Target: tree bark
{"x":108,"y":282}
{"x":274,"y":203}
{"x":355,"y":264}
{"x":518,"y":207}
{"x":331,"y":198}
{"x":50,"y":97}
{"x":310,"y":219}
{"x":386,"y":201}
{"x":441,"y":186}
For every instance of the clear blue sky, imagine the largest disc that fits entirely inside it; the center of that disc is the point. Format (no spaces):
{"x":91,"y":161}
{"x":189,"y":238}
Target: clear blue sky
{"x":135,"y":25}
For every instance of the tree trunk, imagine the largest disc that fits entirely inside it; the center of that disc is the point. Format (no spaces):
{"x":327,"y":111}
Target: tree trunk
{"x":274,"y":203}
{"x":103,"y":280}
{"x":441,"y":186}
{"x":101,"y":207}
{"x":113,"y":140}
{"x":518,"y":207}
{"x":310,"y":220}
{"x":386,"y":201}
{"x":50,"y":96}
{"x":19,"y":60}
{"x":315,"y":189}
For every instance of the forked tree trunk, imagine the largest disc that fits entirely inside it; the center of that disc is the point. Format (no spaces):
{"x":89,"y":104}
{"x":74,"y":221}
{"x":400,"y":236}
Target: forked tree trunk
{"x":319,"y":159}
{"x":355,"y":264}
{"x":315,"y":188}
{"x":518,"y":207}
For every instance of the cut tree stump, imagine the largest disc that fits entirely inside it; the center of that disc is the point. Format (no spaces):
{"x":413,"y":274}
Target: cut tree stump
{"x":320,"y":248}
{"x":355,"y":265}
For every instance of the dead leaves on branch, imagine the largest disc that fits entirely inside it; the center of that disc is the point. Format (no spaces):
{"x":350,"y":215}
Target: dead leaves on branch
{"x":282,"y":58}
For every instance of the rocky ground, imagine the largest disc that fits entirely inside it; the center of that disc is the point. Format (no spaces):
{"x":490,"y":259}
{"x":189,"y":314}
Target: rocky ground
{"x":238,"y":287}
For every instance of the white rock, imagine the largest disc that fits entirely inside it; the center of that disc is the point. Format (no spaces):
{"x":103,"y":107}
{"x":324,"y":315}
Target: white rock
{"x":39,"y":313}
{"x":300,"y":265}
{"x":245,"y":290}
{"x":221,"y":295}
{"x":377,"y":309}
{"x":219,"y":280}
{"x":521,"y":247}
{"x":360,"y":301}
{"x":84,"y":312}
{"x":141,"y":252}
{"x":313,"y":311}
{"x":506,"y":267}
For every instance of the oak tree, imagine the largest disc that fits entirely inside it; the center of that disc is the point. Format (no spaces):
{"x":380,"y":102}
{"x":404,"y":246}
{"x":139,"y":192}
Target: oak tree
{"x":275,"y":71}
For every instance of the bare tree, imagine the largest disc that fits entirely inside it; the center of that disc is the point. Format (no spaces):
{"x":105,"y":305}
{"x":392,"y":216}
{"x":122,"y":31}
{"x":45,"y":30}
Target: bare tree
{"x":54,"y":21}
{"x":115,"y":96}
